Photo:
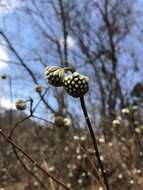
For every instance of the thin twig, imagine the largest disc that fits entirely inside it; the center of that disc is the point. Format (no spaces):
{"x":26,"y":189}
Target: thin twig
{"x":17,"y":124}
{"x":42,"y":119}
{"x":32,"y":110}
{"x":25,"y":66}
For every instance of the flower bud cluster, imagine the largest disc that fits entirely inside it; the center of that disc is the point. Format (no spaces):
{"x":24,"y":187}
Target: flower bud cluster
{"x":75,"y":85}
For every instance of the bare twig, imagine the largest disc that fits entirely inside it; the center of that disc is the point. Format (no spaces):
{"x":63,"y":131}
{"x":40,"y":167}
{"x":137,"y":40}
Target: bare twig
{"x":32,"y":110}
{"x":26,"y":68}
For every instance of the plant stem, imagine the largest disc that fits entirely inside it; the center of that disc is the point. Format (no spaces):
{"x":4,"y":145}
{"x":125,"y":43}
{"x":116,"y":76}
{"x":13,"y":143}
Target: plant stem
{"x":94,"y":141}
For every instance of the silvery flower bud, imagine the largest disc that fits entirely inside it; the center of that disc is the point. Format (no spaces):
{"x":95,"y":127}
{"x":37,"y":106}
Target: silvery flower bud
{"x":38,"y":88}
{"x":76,"y":85}
{"x":20,"y":105}
{"x":55,"y":75}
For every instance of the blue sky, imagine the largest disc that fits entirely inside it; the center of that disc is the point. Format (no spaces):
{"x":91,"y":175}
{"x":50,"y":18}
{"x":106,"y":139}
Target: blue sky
{"x":18,"y":28}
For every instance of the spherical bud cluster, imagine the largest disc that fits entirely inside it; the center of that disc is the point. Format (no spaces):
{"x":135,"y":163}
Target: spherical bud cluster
{"x":76,"y":85}
{"x":38,"y":88}
{"x":54,"y":75}
{"x":20,"y":105}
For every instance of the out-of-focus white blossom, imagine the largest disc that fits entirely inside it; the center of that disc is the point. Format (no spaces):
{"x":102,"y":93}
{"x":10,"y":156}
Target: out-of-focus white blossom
{"x":117,"y":121}
{"x":80,"y":181}
{"x":125,"y":111}
{"x":102,"y":139}
{"x":141,"y":153}
{"x":110,"y":144}
{"x":131,"y":181}
{"x":102,"y":158}
{"x":84,"y":156}
{"x":66,"y":149}
{"x":83,"y":174}
{"x":137,"y":130}
{"x":79,"y":157}
{"x":69,"y":185}
{"x":136,"y":123}
{"x":67,"y":122}
{"x":92,"y":151}
{"x":83,"y":138}
{"x":136,"y":171}
{"x":78,"y":150}
{"x":51,"y":169}
{"x":123,"y":139}
{"x":89,"y":173}
{"x":100,"y":188}
{"x":70,"y":174}
{"x":74,"y":166}
{"x":120,"y":176}
{"x":139,"y":171}
{"x":75,"y":137}
{"x":135,"y":108}
{"x":35,"y":183}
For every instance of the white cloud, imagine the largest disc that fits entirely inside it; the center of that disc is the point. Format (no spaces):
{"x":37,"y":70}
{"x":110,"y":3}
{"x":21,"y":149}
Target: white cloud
{"x":7,"y":6}
{"x":6,"y":104}
{"x":70,"y":42}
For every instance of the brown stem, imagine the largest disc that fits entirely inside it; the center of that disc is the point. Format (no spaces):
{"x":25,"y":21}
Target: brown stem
{"x":94,"y":142}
